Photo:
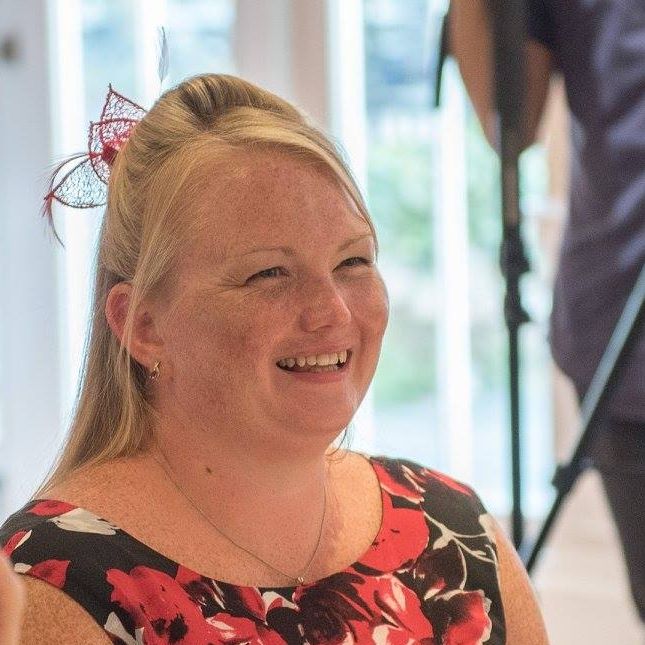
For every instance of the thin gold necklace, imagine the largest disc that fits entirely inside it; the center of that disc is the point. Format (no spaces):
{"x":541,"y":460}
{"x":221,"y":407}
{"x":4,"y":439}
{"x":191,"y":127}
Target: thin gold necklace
{"x":300,"y":579}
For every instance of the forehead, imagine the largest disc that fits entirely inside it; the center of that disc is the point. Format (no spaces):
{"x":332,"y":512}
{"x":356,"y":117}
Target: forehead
{"x":271,"y":199}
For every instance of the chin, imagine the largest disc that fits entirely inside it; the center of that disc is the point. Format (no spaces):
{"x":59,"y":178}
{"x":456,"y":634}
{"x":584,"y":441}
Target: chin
{"x":326,"y":429}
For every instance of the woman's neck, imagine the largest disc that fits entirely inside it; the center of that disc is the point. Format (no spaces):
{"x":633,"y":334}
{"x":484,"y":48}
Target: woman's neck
{"x":253,"y":491}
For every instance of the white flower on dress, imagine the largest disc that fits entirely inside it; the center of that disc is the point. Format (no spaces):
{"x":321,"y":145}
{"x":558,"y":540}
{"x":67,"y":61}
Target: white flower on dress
{"x":21,"y":567}
{"x":273,"y":600}
{"x":115,"y":627}
{"x":488,"y":524}
{"x":82,"y":521}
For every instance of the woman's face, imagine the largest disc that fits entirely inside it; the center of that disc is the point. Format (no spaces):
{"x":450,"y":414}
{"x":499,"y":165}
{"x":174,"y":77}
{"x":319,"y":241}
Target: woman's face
{"x":283,"y":270}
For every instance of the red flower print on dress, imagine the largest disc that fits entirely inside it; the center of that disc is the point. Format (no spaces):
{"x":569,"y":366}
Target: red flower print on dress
{"x":402,"y":537}
{"x":15,"y":541}
{"x":398,"y":608}
{"x":238,"y":631}
{"x":347,"y":608}
{"x":438,"y":577}
{"x":399,"y":480}
{"x":204,"y":592}
{"x":168,"y":614}
{"x":463,"y":617}
{"x":327,"y":609}
{"x":250,"y":599}
{"x":50,"y":508}
{"x":214,"y":597}
{"x":159,"y":605}
{"x":439,"y":569}
{"x":52,"y":571}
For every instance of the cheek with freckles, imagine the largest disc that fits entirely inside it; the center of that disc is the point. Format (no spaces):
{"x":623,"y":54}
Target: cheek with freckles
{"x":371,"y":307}
{"x":220,"y":341}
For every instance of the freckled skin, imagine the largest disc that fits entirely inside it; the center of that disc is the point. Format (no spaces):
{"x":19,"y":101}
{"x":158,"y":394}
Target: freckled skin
{"x":224,"y":333}
{"x":12,"y":602}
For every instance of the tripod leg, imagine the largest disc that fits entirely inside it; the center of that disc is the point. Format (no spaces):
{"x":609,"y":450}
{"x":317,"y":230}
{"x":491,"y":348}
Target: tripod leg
{"x":530,"y":557}
{"x":593,"y":405}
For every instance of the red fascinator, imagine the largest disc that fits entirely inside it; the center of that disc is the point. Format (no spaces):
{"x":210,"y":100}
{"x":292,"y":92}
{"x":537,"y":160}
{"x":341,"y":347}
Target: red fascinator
{"x":85,"y":184}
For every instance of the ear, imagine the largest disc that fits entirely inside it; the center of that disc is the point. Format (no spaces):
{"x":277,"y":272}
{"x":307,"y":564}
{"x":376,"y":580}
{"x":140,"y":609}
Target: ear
{"x":145,"y":343}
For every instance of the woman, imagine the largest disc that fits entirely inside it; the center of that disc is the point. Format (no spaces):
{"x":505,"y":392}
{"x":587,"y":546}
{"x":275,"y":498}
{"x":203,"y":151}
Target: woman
{"x":237,"y":324}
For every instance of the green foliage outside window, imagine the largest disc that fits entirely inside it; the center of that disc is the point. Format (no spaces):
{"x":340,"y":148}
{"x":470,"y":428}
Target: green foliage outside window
{"x":400,"y":178}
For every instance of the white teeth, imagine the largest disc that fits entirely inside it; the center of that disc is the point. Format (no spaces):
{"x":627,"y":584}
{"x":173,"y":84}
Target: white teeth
{"x":321,"y":360}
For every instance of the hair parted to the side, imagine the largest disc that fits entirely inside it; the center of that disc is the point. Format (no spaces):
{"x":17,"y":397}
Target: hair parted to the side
{"x":153,"y":187}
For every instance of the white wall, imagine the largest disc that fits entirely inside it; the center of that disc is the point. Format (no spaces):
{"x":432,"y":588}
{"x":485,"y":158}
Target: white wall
{"x":29,"y":332}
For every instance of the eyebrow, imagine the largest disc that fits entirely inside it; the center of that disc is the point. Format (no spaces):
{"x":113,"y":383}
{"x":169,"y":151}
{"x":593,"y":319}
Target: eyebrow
{"x":287,"y":250}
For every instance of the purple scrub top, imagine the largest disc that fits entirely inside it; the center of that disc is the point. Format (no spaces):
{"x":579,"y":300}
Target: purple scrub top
{"x":599,"y":47}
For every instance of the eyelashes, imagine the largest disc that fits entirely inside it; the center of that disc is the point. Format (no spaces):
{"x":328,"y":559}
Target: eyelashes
{"x":276,"y":272}
{"x":359,"y":261}
{"x":273,"y":272}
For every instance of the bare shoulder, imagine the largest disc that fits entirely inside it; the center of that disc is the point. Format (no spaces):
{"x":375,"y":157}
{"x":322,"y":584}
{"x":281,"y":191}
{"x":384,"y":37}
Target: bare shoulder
{"x":524,"y":624}
{"x":52,"y":617}
{"x":112,"y":489}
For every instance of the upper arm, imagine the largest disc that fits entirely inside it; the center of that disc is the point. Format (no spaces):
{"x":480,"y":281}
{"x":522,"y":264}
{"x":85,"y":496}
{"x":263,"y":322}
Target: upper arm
{"x":52,"y":617}
{"x":539,"y":65}
{"x":524,"y":624}
{"x":12,"y":598}
{"x":472,"y":45}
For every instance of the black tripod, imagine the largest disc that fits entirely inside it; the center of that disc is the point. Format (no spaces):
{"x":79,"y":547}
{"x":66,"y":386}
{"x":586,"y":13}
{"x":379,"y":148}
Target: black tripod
{"x":608,"y":372}
{"x":508,"y":20}
{"x":509,"y":37}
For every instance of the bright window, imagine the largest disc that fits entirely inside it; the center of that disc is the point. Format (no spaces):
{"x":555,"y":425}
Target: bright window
{"x":440,"y":394}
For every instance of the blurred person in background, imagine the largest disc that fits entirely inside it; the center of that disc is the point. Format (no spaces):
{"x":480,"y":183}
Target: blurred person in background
{"x":599,"y":49}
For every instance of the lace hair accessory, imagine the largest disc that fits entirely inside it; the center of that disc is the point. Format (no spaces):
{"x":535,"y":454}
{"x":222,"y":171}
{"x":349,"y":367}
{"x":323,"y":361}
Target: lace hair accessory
{"x":85,"y":184}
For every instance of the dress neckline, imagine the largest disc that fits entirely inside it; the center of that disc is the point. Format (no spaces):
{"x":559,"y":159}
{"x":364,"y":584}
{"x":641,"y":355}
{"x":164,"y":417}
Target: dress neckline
{"x":374,"y":462}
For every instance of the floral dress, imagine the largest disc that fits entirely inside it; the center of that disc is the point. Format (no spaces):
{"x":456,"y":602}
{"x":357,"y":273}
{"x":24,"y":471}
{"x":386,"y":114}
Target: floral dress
{"x":430,"y":577}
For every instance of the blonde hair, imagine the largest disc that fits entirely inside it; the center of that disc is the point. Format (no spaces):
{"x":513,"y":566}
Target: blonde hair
{"x":152,"y":183}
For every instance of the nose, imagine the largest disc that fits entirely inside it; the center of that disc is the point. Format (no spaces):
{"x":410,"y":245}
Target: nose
{"x":323,"y":305}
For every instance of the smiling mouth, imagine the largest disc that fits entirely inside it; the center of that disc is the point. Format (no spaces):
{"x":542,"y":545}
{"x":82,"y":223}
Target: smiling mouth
{"x":314,"y":364}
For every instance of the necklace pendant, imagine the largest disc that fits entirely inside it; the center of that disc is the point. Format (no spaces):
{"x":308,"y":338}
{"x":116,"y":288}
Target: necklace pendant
{"x":300,"y":580}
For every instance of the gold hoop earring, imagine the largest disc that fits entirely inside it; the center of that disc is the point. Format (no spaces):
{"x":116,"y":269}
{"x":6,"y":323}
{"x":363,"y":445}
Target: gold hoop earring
{"x":154,"y":372}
